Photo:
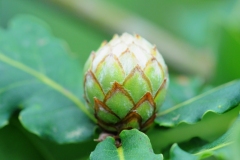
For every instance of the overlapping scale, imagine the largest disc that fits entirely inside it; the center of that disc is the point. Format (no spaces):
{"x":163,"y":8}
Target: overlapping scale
{"x":88,"y":63}
{"x":146,"y":110}
{"x":141,"y":55}
{"x":125,"y":83}
{"x":119,"y":101}
{"x":99,"y":56}
{"x":137,"y":84}
{"x":128,"y":61}
{"x":125,"y":38}
{"x":119,"y":48}
{"x":115,"y":40}
{"x":104,"y":113}
{"x":145,"y":45}
{"x":155,"y":74}
{"x":133,"y":120}
{"x":109,"y":71}
{"x":160,"y":95}
{"x":92,"y":89}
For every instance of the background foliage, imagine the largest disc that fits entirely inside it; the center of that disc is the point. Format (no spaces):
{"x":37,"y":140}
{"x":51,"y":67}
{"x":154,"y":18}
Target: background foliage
{"x":200,"y":41}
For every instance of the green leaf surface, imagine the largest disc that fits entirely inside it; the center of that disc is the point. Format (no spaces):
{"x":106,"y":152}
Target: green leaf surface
{"x":135,"y":145}
{"x":40,"y":77}
{"x":192,"y":135}
{"x":225,"y":147}
{"x":16,"y":143}
{"x":217,"y":100}
{"x":182,"y":88}
{"x":177,"y":152}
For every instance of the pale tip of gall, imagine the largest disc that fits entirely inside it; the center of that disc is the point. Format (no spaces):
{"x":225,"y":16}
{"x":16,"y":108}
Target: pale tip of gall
{"x":115,"y":36}
{"x":154,"y":50}
{"x":103,"y":43}
{"x":137,"y":36}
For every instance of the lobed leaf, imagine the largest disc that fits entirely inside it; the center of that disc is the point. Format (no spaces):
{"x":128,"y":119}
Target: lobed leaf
{"x":182,"y":88}
{"x":177,"y":153}
{"x":40,"y":77}
{"x":135,"y":145}
{"x":225,"y":147}
{"x":16,"y":143}
{"x":217,"y":100}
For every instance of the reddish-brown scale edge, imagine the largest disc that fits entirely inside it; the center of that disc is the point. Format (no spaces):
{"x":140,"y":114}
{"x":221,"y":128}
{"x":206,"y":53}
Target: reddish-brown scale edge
{"x":155,"y":52}
{"x":127,"y":51}
{"x":133,"y":43}
{"x":159,"y":65}
{"x":127,"y":119}
{"x":102,"y":125}
{"x":90,"y":73}
{"x":161,"y":87}
{"x":92,"y":56}
{"x":134,"y":115}
{"x":147,"y":97}
{"x":138,"y":69}
{"x":97,"y":102}
{"x":104,"y":59}
{"x":148,"y":123}
{"x":116,"y":87}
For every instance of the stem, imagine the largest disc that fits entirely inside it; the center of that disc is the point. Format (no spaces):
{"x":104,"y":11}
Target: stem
{"x":175,"y":51}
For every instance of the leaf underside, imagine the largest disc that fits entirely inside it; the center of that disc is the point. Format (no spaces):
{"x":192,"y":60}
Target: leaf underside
{"x":135,"y":145}
{"x":217,"y":100}
{"x":225,"y":147}
{"x":40,"y":77}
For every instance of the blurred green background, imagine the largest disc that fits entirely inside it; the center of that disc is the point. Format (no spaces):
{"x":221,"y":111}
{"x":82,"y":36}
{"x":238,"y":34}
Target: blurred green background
{"x":198,"y":38}
{"x":195,"y":37}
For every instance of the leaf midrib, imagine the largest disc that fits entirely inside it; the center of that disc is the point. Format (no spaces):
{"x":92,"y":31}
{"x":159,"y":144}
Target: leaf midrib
{"x":193,"y":99}
{"x":214,"y":148}
{"x":51,"y":83}
{"x":120,"y":153}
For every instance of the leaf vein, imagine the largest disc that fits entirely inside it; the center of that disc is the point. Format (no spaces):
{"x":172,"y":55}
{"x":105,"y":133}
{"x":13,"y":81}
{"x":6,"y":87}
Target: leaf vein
{"x":214,"y":148}
{"x":192,"y":100}
{"x":120,"y":153}
{"x":51,"y":83}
